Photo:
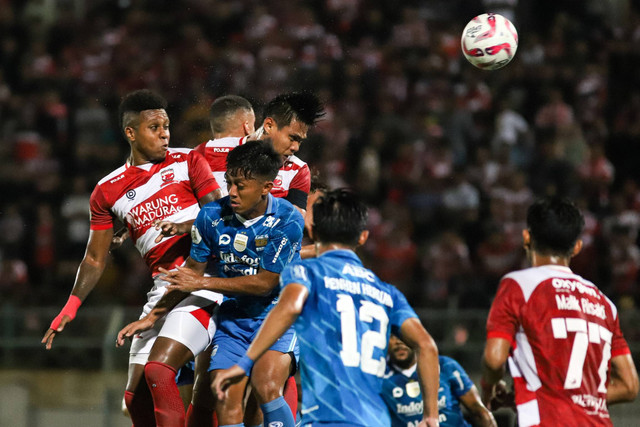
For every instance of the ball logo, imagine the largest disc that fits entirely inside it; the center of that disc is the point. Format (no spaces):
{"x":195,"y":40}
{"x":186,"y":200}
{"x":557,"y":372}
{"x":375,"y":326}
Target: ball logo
{"x":131,"y":194}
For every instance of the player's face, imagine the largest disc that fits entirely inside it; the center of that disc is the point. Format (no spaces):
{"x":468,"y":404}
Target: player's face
{"x":248,"y":196}
{"x":399,"y":352}
{"x":150,"y":137}
{"x":286,"y":139}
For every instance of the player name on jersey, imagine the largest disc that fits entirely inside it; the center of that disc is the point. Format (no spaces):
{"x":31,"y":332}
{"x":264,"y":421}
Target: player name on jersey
{"x":357,"y":288}
{"x":571,"y":302}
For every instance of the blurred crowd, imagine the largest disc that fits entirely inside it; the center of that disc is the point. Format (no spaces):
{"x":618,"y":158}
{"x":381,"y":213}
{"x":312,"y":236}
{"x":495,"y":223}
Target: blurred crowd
{"x":448,"y":156}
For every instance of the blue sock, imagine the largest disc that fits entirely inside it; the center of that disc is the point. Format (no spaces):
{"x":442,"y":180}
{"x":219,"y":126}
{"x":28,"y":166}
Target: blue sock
{"x":277,"y":410}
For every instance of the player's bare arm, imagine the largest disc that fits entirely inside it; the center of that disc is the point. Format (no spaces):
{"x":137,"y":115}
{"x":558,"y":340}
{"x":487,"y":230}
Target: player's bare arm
{"x":89,"y":273}
{"x":279,"y":319}
{"x":481,"y":415}
{"x":623,"y":382}
{"x":495,"y":356}
{"x":168,"y":301}
{"x":186,"y":280}
{"x":416,"y":337}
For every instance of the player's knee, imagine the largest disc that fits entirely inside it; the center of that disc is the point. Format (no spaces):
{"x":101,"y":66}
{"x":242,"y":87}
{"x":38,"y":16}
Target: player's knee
{"x":267,"y":389}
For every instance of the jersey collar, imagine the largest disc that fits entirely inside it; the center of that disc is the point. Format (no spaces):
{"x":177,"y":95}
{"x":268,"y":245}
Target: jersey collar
{"x":406,"y":372}
{"x":343,"y":253}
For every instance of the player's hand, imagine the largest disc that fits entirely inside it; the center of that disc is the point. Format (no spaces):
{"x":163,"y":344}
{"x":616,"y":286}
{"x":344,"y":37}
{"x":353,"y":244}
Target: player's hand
{"x":119,"y":238}
{"x":183,"y":279}
{"x":226,"y":378}
{"x":168,"y":229}
{"x":133,"y":328}
{"x":429,"y":422}
{"x":51,"y":333}
{"x":501,"y":397}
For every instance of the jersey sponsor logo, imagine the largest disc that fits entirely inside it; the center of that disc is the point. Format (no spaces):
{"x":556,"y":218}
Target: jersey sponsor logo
{"x":300,"y":272}
{"x":356,"y":271}
{"x":574,"y":285}
{"x":442,"y":402}
{"x":261,"y":241}
{"x":195,"y":235}
{"x":282,"y":243}
{"x":413,"y":388}
{"x":146,"y":213}
{"x":271,"y":221}
{"x":397,"y":392}
{"x":240,"y":242}
{"x":231,"y":258}
{"x":413,"y":408}
{"x":167,"y":175}
{"x":116,"y":179}
{"x":594,"y":403}
{"x":221,"y":150}
{"x":240,"y":270}
{"x":224,"y":239}
{"x":571,"y":302}
{"x":131,"y":194}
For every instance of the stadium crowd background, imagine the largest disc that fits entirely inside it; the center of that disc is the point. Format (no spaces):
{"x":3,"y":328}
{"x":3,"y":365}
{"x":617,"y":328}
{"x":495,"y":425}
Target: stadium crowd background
{"x":448,"y":156}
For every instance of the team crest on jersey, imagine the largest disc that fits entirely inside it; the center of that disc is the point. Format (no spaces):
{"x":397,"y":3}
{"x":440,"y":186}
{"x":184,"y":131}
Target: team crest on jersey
{"x":413,"y":389}
{"x":167,"y":175}
{"x":277,"y":183}
{"x":261,"y":241}
{"x":240,"y":242}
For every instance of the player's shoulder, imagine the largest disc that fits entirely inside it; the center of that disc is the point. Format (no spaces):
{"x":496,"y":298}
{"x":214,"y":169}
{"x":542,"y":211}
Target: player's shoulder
{"x":217,"y":208}
{"x":448,"y":363}
{"x":222,"y":145}
{"x":114,"y":176}
{"x":284,"y":209}
{"x":294,"y":163}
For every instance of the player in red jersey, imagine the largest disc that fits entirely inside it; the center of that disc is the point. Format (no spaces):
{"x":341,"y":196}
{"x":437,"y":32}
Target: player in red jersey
{"x":560,"y":334}
{"x":157,"y":183}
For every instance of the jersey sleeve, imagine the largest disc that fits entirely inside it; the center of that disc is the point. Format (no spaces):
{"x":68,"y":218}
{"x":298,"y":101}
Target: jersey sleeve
{"x":299,"y":188}
{"x":295,"y":272}
{"x":401,"y":311}
{"x":503,"y":320}
{"x":202,"y":246}
{"x":619,"y":346}
{"x":283,"y":245}
{"x":458,"y":380}
{"x":101,"y":217}
{"x":202,"y":181}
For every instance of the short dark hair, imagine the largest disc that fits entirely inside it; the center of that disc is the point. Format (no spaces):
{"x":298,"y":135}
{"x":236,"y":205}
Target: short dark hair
{"x":555,"y":224}
{"x":255,"y":159}
{"x":138,"y":101}
{"x":339,"y":217}
{"x":302,"y":106}
{"x":223,"y":108}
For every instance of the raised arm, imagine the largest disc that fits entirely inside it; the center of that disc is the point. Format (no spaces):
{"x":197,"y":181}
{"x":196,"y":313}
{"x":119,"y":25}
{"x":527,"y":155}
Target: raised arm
{"x":89,"y":272}
{"x":417,"y":337}
{"x":481,"y":415}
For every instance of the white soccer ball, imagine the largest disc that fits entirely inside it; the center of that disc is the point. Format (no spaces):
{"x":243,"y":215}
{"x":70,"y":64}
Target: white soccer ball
{"x":489,"y":41}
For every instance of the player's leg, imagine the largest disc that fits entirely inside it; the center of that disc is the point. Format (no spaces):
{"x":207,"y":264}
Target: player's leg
{"x":137,"y":398}
{"x":201,"y":411}
{"x":230,"y":411}
{"x":268,"y":376}
{"x":252,"y":411}
{"x":187,"y":331}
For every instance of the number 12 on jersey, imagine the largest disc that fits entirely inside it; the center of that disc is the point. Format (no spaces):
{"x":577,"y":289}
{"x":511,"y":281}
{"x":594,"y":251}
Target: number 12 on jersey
{"x":585,"y":333}
{"x":370,"y":340}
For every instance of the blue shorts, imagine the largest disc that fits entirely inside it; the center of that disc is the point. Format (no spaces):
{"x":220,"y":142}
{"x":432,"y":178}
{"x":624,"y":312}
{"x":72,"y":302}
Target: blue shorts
{"x":233,"y":337}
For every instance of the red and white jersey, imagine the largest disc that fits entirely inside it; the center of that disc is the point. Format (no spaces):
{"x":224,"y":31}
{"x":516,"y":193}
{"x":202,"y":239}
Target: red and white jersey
{"x":292,"y":183}
{"x":563,"y":333}
{"x":140,"y":195}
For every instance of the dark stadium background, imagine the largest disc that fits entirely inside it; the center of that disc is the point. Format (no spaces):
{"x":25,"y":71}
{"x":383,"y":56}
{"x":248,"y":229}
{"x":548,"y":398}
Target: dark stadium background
{"x":448,"y":156}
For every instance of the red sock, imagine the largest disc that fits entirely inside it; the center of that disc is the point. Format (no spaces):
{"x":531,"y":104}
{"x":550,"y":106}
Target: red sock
{"x":198,"y":416}
{"x":291,"y":395}
{"x":168,"y":405}
{"x":140,"y":408}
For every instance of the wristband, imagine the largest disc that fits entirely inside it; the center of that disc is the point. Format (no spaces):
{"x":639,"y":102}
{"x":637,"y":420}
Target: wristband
{"x":245,"y":363}
{"x":70,"y":309}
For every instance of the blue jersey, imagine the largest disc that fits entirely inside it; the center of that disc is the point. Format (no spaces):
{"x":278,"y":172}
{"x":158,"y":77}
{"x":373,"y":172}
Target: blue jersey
{"x":343,"y":333}
{"x":401,"y":392}
{"x":241,"y":247}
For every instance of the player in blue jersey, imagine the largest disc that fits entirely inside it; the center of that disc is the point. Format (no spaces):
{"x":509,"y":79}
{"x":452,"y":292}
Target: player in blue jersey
{"x":252,"y":236}
{"x":343,"y":316}
{"x":401,"y":391}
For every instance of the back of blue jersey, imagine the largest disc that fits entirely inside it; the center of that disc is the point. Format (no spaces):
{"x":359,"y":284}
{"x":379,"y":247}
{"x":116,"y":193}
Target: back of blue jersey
{"x":343,"y":333}
{"x":241,"y":248}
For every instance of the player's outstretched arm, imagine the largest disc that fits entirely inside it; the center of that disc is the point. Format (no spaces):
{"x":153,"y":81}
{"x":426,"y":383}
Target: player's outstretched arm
{"x":481,"y":415}
{"x":623,"y":381}
{"x":88,"y":274}
{"x":496,"y":352}
{"x":417,"y":337}
{"x":279,"y":319}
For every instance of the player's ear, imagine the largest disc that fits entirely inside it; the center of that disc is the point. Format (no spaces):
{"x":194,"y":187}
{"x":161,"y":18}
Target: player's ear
{"x":577,"y":248}
{"x":526,"y":239}
{"x":266,"y":189}
{"x":130,"y":134}
{"x":364,"y":235}
{"x":269,"y":125}
{"x":246,"y":128}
